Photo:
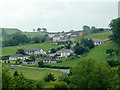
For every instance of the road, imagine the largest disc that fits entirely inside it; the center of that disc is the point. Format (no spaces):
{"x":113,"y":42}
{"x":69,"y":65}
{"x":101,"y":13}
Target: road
{"x":62,"y":70}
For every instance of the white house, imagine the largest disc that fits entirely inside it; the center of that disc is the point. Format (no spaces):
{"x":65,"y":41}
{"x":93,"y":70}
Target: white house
{"x":35,"y":51}
{"x":66,"y":52}
{"x":18,"y":56}
{"x":97,"y":41}
{"x":60,"y":37}
{"x":47,"y":60}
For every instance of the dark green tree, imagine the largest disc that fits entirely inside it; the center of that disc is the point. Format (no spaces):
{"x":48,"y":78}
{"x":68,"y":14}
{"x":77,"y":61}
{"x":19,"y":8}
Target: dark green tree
{"x":92,"y":74}
{"x":49,"y":77}
{"x":110,"y":51}
{"x":20,"y":51}
{"x":16,"y":73}
{"x":115,"y":27}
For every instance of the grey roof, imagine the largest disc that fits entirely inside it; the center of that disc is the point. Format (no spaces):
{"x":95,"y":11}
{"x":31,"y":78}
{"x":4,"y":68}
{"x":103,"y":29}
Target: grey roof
{"x":46,"y":58}
{"x":32,"y":49}
{"x":66,"y":51}
{"x":96,"y":40}
{"x":18,"y":55}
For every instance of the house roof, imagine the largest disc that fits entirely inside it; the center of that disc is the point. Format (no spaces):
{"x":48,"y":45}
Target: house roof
{"x":32,"y":49}
{"x":96,"y":40}
{"x":18,"y":55}
{"x":46,"y":58}
{"x":66,"y":51}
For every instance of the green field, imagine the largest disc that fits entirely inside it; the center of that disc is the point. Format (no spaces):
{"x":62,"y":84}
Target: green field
{"x":68,"y":63}
{"x":35,"y":74}
{"x":12,"y":50}
{"x":99,"y":52}
{"x":11,"y":30}
{"x":33,"y":34}
{"x":101,"y":36}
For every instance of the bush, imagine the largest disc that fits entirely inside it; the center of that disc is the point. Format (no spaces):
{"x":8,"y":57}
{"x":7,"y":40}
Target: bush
{"x":113,"y":63}
{"x":49,"y":77}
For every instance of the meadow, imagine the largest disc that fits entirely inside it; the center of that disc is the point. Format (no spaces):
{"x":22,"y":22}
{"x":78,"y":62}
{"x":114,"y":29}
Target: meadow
{"x":13,"y":49}
{"x":68,"y":63}
{"x":99,"y":52}
{"x":34,"y":74}
{"x":102,"y":35}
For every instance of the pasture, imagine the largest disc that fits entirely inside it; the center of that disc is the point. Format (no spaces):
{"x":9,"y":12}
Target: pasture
{"x":99,"y":52}
{"x":34,"y":74}
{"x":102,"y":35}
{"x":12,"y":49}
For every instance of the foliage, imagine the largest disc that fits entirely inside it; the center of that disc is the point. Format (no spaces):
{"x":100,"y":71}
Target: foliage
{"x":40,"y":63}
{"x":113,"y":63}
{"x":16,"y":73}
{"x":20,"y":51}
{"x":110,"y":51}
{"x":87,"y":43}
{"x":86,"y":29}
{"x":64,"y":78}
{"x":32,"y":57}
{"x":49,"y":77}
{"x":53,"y":50}
{"x":91,"y":74}
{"x":115,"y":27}
{"x":80,"y":49}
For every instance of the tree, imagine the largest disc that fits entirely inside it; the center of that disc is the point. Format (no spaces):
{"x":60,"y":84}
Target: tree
{"x":20,"y":51}
{"x":87,"y":43}
{"x":3,"y":33}
{"x":92,"y":74}
{"x":36,"y":39}
{"x":39,"y":29}
{"x":115,"y":27}
{"x":33,"y":30}
{"x":40,"y":63}
{"x":49,"y":77}
{"x":68,"y":46}
{"x":44,"y":29}
{"x":86,"y":29}
{"x":16,"y":73}
{"x":80,"y":50}
{"x":53,"y":50}
{"x":32,"y":57}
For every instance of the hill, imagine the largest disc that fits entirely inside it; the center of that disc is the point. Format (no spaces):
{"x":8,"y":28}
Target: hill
{"x":12,"y":50}
{"x":30,"y":34}
{"x":11,"y":30}
{"x":99,"y":52}
{"x":102,"y":35}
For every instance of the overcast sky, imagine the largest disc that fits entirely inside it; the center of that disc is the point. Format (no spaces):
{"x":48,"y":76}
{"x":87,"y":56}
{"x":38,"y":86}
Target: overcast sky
{"x":59,"y":16}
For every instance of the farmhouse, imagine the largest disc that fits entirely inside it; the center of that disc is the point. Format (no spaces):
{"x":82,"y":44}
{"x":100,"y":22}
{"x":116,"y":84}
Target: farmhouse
{"x":66,"y":52}
{"x":18,"y":56}
{"x":47,"y":60}
{"x":97,"y":41}
{"x":35,"y":51}
{"x":60,"y":37}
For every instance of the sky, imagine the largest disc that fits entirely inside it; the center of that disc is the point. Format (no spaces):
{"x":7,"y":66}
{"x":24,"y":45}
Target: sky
{"x":56,"y":16}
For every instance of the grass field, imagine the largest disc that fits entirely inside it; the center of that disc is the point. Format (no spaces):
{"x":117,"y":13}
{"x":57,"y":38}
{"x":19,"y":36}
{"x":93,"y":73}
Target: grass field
{"x":68,"y":63}
{"x":101,"y":36}
{"x":35,"y":74}
{"x":99,"y":52}
{"x":33,"y":34}
{"x":12,"y":50}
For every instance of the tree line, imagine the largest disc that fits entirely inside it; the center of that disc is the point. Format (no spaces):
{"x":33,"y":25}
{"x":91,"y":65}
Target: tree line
{"x":19,"y":38}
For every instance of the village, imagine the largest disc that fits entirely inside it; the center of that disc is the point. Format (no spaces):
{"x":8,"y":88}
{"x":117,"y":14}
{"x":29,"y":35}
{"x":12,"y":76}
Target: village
{"x":33,"y":55}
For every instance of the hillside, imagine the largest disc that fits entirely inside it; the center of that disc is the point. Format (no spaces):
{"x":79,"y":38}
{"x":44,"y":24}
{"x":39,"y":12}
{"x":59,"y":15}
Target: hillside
{"x":30,"y":34}
{"x":11,"y":30}
{"x":102,"y":36}
{"x":99,"y":52}
{"x":12,"y":50}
